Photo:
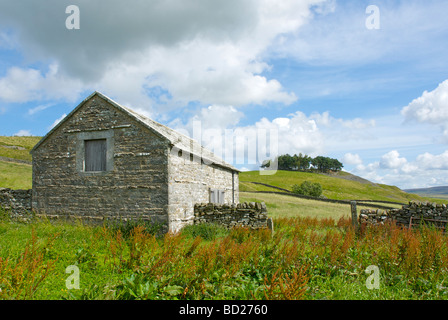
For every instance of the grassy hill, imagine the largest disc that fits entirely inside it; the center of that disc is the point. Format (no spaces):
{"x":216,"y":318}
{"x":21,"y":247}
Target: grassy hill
{"x":15,"y":161}
{"x":340,"y":186}
{"x":17,"y":147}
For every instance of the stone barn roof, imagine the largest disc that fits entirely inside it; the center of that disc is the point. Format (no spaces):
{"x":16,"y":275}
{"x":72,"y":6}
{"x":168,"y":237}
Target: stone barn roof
{"x":176,"y":139}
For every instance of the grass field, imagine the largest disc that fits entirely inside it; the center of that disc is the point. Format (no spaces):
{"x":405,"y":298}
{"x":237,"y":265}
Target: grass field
{"x":306,"y":258}
{"x":15,"y":175}
{"x":283,"y":206}
{"x":343,"y":186}
{"x":17,"y":147}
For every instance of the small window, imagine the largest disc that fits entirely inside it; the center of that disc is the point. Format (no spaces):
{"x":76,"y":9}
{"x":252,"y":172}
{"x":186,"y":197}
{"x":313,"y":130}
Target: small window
{"x":217,"y":196}
{"x":95,"y":155}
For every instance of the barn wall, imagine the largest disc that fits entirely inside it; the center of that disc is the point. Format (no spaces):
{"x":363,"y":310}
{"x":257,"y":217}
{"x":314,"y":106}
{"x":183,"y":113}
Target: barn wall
{"x":134,"y":185}
{"x":190,"y":182}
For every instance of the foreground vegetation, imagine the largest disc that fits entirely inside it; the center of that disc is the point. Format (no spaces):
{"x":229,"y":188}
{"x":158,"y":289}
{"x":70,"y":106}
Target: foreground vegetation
{"x":313,"y":254}
{"x":306,"y":258}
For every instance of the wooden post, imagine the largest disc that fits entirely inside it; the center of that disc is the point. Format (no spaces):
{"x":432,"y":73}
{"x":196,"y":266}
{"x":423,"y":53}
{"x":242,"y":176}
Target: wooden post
{"x":354,"y":214}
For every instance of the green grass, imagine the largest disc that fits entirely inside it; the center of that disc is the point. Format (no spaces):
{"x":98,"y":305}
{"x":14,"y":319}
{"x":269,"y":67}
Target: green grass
{"x":15,"y":175}
{"x":306,"y":258}
{"x":17,"y":147}
{"x":313,"y":254}
{"x":283,"y":206}
{"x":333,"y":187}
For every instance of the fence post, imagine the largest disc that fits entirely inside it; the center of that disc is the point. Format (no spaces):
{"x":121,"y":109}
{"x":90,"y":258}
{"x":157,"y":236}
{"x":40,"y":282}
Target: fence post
{"x":354,"y":214}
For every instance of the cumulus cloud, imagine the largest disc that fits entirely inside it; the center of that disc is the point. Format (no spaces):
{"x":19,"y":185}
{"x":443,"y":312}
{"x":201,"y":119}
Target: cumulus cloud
{"x":425,"y":170}
{"x":431,"y":107}
{"x":339,"y":133}
{"x":392,"y":160}
{"x":430,"y":161}
{"x":22,"y":133}
{"x":211,"y":52}
{"x":352,"y":159}
{"x":27,"y":84}
{"x":218,"y":129}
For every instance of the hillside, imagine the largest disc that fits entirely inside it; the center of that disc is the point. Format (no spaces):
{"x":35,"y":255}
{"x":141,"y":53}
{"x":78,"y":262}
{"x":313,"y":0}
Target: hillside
{"x":15,"y":161}
{"x":17,"y":148}
{"x":435,"y":192}
{"x":341,"y":186}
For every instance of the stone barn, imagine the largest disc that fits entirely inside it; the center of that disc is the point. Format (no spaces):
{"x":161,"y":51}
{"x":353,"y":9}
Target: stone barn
{"x":105,"y":161}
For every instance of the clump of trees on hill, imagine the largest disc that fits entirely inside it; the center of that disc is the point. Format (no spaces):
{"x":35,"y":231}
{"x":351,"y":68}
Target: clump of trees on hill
{"x":305,"y":163}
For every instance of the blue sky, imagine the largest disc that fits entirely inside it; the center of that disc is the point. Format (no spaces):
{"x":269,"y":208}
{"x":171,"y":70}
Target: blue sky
{"x":376,"y":99}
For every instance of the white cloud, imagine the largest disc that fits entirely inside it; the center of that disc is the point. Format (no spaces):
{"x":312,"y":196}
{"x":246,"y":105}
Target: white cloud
{"x":341,"y":134}
{"x":425,"y":171}
{"x":22,"y":133}
{"x":325,"y":119}
{"x":352,"y":159}
{"x":392,"y":160}
{"x":211,"y":52}
{"x":431,"y":107}
{"x":22,"y":85}
{"x":39,"y":108}
{"x":218,"y":129}
{"x":430,"y":161}
{"x":57,"y":121}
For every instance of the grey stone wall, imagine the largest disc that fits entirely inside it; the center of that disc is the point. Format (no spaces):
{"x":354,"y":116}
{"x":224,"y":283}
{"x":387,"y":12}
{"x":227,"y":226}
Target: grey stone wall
{"x":190,"y":182}
{"x":418,"y":211}
{"x":252,"y":215}
{"x":134,"y":187}
{"x":16,"y":202}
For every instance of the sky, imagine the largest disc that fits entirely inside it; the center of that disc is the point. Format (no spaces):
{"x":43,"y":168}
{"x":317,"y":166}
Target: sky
{"x":365,"y":82}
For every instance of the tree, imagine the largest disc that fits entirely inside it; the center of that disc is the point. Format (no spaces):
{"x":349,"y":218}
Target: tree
{"x":303,"y":162}
{"x":324,"y":164}
{"x":286,"y":162}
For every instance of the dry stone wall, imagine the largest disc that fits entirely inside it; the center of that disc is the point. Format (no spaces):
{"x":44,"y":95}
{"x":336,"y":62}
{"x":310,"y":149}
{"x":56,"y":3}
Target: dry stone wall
{"x":16,"y":202}
{"x":431,"y":213}
{"x":246,"y":214}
